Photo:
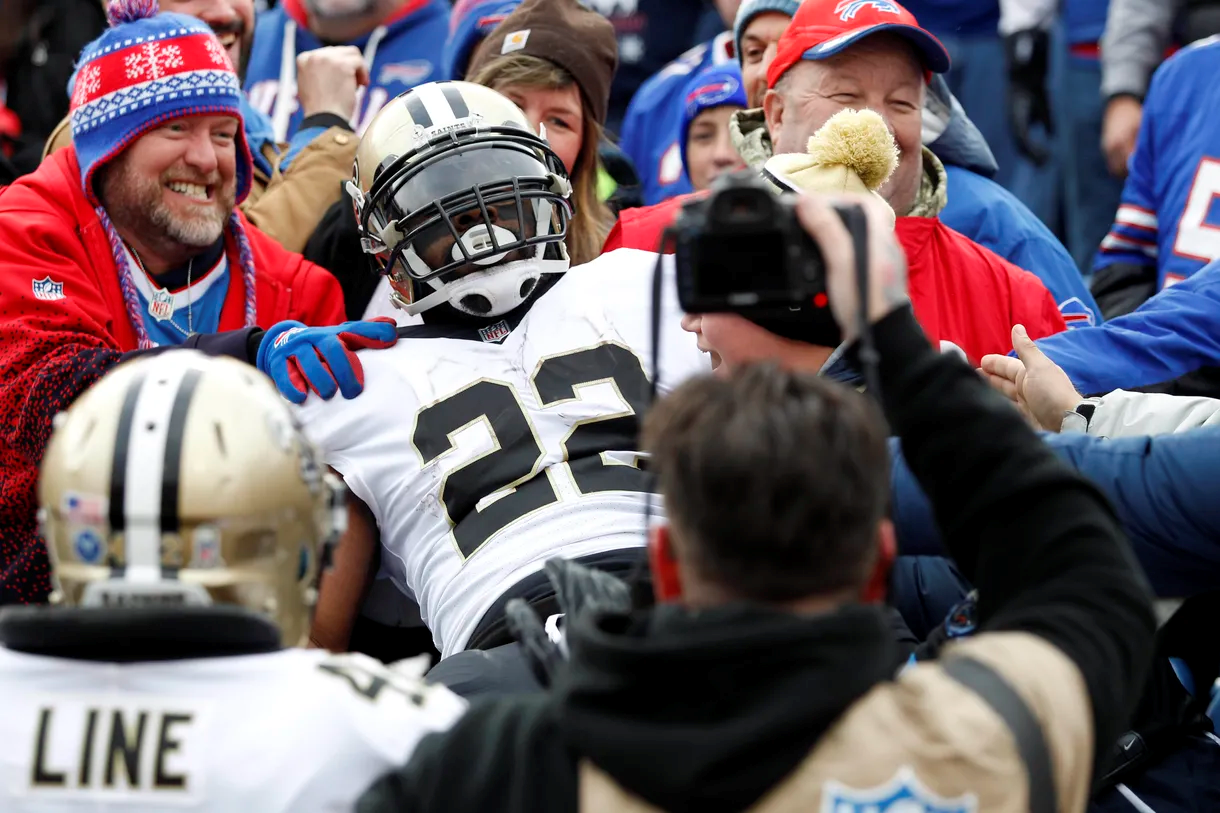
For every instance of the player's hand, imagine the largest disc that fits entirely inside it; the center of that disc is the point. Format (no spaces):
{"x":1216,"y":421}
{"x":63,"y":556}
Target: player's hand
{"x":1119,"y":128}
{"x":322,"y":360}
{"x":1028,"y":103}
{"x":581,"y":589}
{"x":328,"y":78}
{"x":1038,"y":386}
{"x":544,"y":656}
{"x":887,"y":265}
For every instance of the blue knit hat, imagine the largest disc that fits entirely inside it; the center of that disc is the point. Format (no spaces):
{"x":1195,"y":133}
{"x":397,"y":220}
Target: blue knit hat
{"x":714,"y":86}
{"x":469,"y":24}
{"x":143,"y":71}
{"x":749,"y":9}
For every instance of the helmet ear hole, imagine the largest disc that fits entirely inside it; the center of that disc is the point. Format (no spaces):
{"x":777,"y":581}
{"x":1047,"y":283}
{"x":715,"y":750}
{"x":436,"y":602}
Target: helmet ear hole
{"x":477,"y":303}
{"x":527,"y":287}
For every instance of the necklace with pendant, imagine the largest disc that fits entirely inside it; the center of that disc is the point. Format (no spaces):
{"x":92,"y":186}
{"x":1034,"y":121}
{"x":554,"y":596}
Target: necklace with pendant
{"x":161,"y":307}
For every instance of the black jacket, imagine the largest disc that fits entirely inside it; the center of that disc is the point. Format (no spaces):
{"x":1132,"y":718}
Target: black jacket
{"x":708,"y":711}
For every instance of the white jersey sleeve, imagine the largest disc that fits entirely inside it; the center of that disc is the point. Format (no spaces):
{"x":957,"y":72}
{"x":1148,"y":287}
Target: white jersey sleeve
{"x":483,"y":453}
{"x":295,"y":731}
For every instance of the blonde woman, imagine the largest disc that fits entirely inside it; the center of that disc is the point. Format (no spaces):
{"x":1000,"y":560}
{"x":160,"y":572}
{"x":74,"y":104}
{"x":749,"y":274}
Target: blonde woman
{"x":555,"y":59}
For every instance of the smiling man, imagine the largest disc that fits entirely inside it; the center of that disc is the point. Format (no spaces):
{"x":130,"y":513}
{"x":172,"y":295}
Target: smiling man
{"x":128,"y":242}
{"x":295,"y":182}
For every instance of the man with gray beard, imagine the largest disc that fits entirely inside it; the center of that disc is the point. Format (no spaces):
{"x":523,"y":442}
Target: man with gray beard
{"x":128,"y":242}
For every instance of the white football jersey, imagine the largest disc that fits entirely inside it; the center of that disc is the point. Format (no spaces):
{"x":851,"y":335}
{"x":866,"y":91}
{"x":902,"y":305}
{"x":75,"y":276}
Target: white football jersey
{"x":294,"y":731}
{"x":484,"y":452}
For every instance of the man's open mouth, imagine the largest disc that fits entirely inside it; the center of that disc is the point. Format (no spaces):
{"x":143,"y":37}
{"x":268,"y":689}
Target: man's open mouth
{"x":201,"y":193}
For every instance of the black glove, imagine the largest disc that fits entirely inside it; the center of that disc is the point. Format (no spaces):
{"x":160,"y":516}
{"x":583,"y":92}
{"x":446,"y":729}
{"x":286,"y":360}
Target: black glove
{"x":578,"y":589}
{"x":541,"y":653}
{"x":582,"y":589}
{"x":1028,"y":54}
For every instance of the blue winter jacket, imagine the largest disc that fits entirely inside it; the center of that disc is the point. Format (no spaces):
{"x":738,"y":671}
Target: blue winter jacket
{"x":993,"y":217}
{"x":1163,"y":488}
{"x":1173,"y":333}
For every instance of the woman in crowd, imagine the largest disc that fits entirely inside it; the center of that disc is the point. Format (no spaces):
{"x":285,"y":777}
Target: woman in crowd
{"x":556,"y":60}
{"x":711,"y":98}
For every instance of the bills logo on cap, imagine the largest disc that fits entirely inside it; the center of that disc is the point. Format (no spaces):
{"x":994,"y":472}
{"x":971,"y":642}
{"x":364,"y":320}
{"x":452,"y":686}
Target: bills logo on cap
{"x":408,"y":73}
{"x":48,"y":289}
{"x":712,"y":94}
{"x":848,"y":9}
{"x":515,"y":41}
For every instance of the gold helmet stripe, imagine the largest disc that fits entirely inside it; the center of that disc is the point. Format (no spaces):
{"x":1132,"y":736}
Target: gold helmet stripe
{"x":151,"y":444}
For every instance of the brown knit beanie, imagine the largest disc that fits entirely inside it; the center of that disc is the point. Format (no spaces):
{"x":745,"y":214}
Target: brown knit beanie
{"x":563,"y":32}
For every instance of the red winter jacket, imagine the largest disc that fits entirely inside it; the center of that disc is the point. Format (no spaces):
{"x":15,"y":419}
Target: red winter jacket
{"x":51,"y":350}
{"x":961,"y":292}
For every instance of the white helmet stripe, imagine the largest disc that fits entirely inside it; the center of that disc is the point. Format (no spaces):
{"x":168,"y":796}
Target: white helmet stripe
{"x":434,"y":101}
{"x":153,"y":445}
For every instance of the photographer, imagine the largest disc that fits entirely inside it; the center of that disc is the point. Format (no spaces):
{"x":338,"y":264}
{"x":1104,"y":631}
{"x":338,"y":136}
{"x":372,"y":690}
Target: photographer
{"x":769,"y":679}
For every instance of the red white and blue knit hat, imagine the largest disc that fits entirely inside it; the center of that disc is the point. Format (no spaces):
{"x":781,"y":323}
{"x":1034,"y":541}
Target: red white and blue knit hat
{"x":143,"y":71}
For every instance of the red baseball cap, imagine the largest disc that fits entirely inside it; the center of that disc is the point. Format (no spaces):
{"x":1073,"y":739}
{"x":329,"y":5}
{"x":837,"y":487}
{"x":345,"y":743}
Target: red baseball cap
{"x":823,"y":28}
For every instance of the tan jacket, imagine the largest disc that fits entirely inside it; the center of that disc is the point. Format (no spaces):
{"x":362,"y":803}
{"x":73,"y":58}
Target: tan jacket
{"x":931,"y":734}
{"x":287,"y":206}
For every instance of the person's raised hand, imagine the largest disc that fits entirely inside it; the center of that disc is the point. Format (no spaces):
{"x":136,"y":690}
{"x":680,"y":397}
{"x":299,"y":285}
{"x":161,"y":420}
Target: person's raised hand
{"x":1038,"y":386}
{"x":887,"y":265}
{"x":328,"y":80}
{"x":1119,"y":128}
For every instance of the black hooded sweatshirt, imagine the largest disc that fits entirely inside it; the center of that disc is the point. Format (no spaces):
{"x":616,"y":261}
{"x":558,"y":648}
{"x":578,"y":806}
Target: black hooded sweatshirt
{"x":707,"y":711}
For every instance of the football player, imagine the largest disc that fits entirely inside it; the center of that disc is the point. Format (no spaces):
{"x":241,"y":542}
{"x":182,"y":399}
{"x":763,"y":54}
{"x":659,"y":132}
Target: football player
{"x":501,"y":432}
{"x":186,"y":517}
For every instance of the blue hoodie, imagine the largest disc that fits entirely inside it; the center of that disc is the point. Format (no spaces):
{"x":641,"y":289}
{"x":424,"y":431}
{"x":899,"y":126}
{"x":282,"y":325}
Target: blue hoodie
{"x":652,"y":128}
{"x":467,"y":28}
{"x":1162,"y":487}
{"x":404,"y":52}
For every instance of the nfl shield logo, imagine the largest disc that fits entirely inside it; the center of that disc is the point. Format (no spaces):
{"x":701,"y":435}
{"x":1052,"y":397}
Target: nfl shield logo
{"x":162,"y":305}
{"x":494,"y":333}
{"x":48,"y":289}
{"x":902,"y":794}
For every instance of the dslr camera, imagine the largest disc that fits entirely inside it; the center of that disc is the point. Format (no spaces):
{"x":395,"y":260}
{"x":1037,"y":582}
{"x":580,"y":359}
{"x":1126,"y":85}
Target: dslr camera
{"x":742,"y":250}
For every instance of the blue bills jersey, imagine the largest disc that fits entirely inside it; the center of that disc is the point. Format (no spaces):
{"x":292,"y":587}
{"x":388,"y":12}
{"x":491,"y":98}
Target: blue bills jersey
{"x":1169,"y":218}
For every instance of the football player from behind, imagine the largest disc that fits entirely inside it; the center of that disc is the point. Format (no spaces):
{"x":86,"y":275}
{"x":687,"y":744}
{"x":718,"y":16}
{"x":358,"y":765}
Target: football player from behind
{"x":187,"y":517}
{"x":501,"y":432}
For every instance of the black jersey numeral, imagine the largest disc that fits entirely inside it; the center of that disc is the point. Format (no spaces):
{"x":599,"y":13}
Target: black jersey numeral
{"x":514,"y":464}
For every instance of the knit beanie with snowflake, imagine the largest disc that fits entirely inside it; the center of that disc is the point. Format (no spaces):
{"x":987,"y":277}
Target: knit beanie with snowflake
{"x":144,"y":70}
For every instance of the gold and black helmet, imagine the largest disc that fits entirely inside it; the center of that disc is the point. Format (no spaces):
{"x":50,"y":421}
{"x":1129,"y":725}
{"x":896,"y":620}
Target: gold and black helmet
{"x":184,"y":479}
{"x":458,"y":201}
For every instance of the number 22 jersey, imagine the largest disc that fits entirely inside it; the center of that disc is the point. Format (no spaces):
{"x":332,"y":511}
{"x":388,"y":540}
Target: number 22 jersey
{"x":483,"y":452}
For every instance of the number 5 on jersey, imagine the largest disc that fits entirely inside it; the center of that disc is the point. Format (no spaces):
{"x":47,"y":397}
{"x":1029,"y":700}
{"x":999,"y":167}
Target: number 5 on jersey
{"x":512,"y":467}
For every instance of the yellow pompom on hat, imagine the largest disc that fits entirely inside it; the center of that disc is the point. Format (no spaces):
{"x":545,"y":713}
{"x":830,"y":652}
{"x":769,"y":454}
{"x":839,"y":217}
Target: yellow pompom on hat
{"x":853,"y":152}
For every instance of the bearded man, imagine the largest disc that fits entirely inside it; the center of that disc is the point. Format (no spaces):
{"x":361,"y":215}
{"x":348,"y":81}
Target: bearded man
{"x":294,"y":183}
{"x":128,"y":242}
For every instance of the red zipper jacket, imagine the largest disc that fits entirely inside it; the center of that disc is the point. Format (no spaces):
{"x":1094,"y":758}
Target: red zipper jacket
{"x":58,"y":337}
{"x":961,"y":292}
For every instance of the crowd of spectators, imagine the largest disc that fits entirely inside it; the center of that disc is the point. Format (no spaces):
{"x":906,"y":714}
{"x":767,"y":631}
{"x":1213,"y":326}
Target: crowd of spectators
{"x":966,"y":564}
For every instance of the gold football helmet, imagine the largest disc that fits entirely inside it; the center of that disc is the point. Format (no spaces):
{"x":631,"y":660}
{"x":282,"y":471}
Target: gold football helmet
{"x":183,"y":479}
{"x":458,"y":201}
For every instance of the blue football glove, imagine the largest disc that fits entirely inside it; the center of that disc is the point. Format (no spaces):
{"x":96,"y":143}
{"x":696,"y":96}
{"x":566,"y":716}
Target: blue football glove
{"x":303,"y":359}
